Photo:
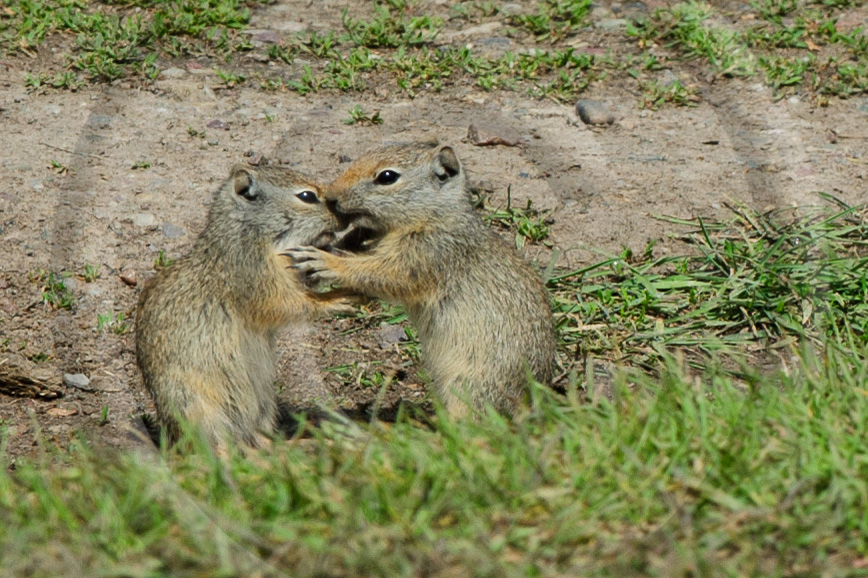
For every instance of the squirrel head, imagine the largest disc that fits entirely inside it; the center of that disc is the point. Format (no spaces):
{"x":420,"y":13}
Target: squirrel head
{"x":273,"y":205}
{"x":396,"y":183}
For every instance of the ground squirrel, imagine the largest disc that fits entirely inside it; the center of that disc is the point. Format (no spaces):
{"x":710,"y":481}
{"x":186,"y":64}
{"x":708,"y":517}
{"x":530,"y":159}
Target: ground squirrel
{"x":206,"y":325}
{"x":480,"y":309}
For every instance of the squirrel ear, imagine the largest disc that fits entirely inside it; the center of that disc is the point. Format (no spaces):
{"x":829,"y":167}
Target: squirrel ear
{"x":242,"y":178}
{"x":446,"y":164}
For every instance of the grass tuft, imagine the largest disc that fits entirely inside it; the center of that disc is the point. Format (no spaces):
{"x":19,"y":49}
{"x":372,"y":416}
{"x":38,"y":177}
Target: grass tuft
{"x":685,"y":474}
{"x":756,"y":279}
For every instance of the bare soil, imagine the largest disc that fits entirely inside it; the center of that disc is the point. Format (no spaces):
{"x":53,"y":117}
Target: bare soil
{"x":602,"y":185}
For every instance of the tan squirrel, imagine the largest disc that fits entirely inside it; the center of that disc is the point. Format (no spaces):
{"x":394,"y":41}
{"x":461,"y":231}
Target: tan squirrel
{"x":480,"y":309}
{"x":206,"y":325}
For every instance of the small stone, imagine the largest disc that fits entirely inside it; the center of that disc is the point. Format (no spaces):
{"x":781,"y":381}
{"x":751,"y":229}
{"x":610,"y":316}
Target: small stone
{"x":256,"y":159}
{"x":594,"y":112}
{"x":77,"y":380}
{"x":267,"y":37}
{"x":344,"y":159}
{"x":218,"y":124}
{"x":213,"y":142}
{"x":389,"y":335}
{"x":173,"y":73}
{"x":490,"y":134}
{"x":611,"y":24}
{"x":129,"y":277}
{"x":511,"y":8}
{"x":144,"y":220}
{"x":70,"y":283}
{"x":173,"y":231}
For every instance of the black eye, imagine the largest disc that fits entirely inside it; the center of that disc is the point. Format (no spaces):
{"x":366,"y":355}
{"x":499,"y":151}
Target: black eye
{"x":308,"y":197}
{"x":387,"y":177}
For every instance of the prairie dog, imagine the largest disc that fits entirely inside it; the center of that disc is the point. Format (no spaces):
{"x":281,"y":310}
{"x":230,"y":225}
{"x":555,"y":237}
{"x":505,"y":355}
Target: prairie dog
{"x":481,"y":311}
{"x":206,"y":325}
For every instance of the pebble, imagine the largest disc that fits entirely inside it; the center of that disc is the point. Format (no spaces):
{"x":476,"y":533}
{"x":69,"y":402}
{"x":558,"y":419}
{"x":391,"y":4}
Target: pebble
{"x":128,"y":277}
{"x":255,"y":159}
{"x":594,"y":112}
{"x":511,"y":8}
{"x":77,"y":380}
{"x":486,"y":29}
{"x":611,"y":24}
{"x":265,"y":36}
{"x":173,"y":231}
{"x":213,"y":142}
{"x":635,"y":7}
{"x":218,"y":124}
{"x":173,"y":72}
{"x":389,"y":335}
{"x":144,"y":220}
{"x":70,"y":283}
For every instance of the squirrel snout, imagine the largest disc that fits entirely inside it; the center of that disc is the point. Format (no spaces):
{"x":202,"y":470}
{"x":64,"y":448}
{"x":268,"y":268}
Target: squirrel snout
{"x":334,"y":209}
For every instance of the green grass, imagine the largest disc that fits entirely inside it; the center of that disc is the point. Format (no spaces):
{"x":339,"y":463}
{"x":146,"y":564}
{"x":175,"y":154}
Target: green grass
{"x":529,"y":224}
{"x":689,"y":460}
{"x":794,"y":45}
{"x":554,"y":19}
{"x":683,"y":475}
{"x":797,"y":45}
{"x":359,"y":116}
{"x":117,"y":323}
{"x":761,"y":280}
{"x":54,"y":291}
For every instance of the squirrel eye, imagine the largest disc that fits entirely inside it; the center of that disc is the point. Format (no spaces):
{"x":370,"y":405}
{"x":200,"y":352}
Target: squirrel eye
{"x":308,"y":197}
{"x":387,"y":177}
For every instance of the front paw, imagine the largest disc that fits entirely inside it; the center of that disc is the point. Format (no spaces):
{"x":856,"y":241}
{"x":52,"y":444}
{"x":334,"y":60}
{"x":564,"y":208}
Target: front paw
{"x":312,"y":263}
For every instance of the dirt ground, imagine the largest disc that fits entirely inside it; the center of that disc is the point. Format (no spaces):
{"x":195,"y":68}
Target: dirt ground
{"x":602,"y":186}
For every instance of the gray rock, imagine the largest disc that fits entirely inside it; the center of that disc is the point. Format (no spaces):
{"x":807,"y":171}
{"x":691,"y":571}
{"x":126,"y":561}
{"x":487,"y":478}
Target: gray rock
{"x":173,"y":73}
{"x":635,"y":7}
{"x":594,"y":112}
{"x":173,"y":231}
{"x":70,"y":283}
{"x":389,"y":335}
{"x":267,"y":37}
{"x":100,"y":120}
{"x":77,"y":380}
{"x":511,"y":8}
{"x":493,"y":46}
{"x":218,"y":124}
{"x":144,"y":220}
{"x":611,"y":24}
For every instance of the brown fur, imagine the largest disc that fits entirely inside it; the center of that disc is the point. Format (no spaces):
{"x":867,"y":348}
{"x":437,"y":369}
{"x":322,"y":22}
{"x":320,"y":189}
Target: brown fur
{"x":481,"y":311}
{"x":206,"y":325}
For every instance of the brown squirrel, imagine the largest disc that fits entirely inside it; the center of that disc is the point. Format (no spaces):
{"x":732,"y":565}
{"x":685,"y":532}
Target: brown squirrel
{"x":206,"y":325}
{"x":481,"y":311}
